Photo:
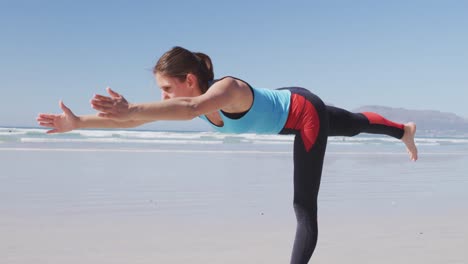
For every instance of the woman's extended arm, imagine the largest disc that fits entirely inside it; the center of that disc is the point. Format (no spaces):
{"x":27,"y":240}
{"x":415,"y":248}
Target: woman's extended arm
{"x":222,"y":94}
{"x":116,"y":112}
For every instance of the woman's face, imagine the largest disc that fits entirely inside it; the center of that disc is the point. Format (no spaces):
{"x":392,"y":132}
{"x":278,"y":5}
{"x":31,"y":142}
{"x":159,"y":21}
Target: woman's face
{"x":172,"y":87}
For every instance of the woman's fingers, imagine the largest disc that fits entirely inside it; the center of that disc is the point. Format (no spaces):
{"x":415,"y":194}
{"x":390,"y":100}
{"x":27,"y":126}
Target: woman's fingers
{"x":65,"y":109}
{"x":102,"y":98}
{"x":52,"y":131}
{"x":102,"y":103}
{"x":46,"y":124}
{"x":39,"y":119}
{"x":109,"y":107}
{"x":102,"y":108}
{"x":47,"y":116}
{"x":42,"y":117}
{"x":59,"y":123}
{"x":112,"y":93}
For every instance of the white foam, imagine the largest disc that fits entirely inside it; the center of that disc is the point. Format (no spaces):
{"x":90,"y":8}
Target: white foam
{"x":94,"y":133}
{"x":114,"y":140}
{"x":442,"y":140}
{"x":362,"y":139}
{"x":264,"y":142}
{"x":157,"y":137}
{"x":345,"y":143}
{"x":12,"y":133}
{"x":145,"y":150}
{"x":218,"y":151}
{"x":21,"y":130}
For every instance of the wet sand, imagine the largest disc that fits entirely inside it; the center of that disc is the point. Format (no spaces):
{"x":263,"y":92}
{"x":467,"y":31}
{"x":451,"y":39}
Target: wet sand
{"x":112,"y":206}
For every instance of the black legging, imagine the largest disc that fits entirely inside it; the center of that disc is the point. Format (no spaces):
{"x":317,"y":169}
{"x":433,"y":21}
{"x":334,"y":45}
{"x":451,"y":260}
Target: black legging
{"x":312,"y":122}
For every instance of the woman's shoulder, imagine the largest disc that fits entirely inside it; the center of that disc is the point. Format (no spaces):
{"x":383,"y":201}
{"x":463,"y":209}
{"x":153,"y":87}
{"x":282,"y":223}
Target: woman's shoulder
{"x":232,"y":81}
{"x":227,"y":78}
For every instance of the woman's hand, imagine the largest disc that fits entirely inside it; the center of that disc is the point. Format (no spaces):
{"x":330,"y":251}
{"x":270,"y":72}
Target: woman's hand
{"x":60,"y":123}
{"x":113,"y":107}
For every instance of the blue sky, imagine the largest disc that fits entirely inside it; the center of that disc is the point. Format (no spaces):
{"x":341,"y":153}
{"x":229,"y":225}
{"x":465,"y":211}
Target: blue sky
{"x":410,"y":54}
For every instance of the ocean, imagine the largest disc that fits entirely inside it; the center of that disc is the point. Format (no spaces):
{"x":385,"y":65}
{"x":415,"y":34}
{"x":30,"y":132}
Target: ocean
{"x":36,"y":137}
{"x":121,"y":196}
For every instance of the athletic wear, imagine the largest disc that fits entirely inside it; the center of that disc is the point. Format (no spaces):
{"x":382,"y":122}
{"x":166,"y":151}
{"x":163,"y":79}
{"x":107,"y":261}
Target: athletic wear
{"x":312,"y":122}
{"x":267,"y":115}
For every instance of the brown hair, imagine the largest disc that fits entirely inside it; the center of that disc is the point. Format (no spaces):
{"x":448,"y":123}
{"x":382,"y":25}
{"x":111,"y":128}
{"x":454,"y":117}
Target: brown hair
{"x":178,"y":62}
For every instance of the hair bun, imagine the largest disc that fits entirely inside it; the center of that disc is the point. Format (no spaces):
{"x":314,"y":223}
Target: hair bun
{"x":207,"y":63}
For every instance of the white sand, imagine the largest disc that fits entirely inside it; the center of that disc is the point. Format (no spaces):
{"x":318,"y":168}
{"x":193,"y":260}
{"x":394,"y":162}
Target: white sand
{"x":140,"y":207}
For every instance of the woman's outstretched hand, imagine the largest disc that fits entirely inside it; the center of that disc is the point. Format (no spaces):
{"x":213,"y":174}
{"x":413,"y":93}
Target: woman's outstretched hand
{"x":113,"y":107}
{"x":60,"y":123}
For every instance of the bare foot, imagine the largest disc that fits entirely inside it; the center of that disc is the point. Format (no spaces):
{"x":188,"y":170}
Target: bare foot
{"x":408,"y":139}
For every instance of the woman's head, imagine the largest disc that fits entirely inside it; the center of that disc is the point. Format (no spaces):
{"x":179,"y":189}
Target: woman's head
{"x":179,"y":66}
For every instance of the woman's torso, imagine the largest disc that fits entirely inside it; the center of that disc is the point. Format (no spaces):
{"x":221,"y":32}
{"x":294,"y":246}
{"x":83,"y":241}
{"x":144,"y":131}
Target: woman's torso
{"x":267,"y":114}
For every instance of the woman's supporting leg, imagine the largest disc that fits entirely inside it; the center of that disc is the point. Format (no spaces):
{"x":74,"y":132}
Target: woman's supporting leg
{"x":309,"y":121}
{"x":307,"y":175}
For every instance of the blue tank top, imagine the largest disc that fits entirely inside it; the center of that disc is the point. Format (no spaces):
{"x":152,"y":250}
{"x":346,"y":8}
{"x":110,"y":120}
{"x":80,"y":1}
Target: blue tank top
{"x":267,"y":115}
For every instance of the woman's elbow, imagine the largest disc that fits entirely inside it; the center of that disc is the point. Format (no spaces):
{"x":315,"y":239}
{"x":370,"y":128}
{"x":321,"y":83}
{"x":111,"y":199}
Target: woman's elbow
{"x":193,"y":111}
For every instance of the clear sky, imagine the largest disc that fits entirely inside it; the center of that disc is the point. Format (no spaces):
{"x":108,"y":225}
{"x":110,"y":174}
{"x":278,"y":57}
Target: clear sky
{"x":410,"y":54}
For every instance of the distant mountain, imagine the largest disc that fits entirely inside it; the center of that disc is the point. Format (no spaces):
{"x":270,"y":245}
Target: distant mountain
{"x":429,"y":122}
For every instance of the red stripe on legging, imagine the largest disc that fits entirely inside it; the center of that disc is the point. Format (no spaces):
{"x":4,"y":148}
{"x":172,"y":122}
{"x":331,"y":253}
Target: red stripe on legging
{"x":380,"y":120}
{"x":303,"y":117}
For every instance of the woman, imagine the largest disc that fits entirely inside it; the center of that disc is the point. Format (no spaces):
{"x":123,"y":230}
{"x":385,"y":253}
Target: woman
{"x":232,"y":105}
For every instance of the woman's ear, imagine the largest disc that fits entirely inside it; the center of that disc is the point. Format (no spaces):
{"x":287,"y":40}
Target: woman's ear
{"x":191,"y":80}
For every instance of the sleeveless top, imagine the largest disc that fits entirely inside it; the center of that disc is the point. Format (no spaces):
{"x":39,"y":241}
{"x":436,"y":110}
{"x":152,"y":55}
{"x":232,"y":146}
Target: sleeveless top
{"x":267,"y":115}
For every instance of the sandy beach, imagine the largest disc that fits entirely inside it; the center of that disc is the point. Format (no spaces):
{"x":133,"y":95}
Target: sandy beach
{"x":230,"y":204}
